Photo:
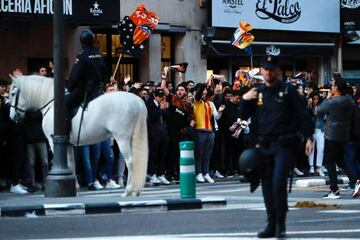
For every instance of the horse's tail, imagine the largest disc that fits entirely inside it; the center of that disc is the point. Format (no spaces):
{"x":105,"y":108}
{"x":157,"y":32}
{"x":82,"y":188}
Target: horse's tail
{"x":140,"y":150}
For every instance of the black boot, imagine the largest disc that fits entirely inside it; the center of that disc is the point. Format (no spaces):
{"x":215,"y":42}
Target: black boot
{"x":281,"y":226}
{"x":269,"y":231}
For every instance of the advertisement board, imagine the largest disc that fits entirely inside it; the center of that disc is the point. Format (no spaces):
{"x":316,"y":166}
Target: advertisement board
{"x":288,"y":15}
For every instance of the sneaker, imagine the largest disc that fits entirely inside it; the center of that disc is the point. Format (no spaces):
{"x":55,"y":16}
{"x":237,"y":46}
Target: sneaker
{"x":218,"y":174}
{"x":208,"y":178}
{"x":332,"y":195}
{"x":298,"y":172}
{"x":200,"y":178}
{"x":356,"y":192}
{"x":121,"y":182}
{"x":91,"y":187}
{"x":111,"y":184}
{"x":163,"y":179}
{"x":320,"y":171}
{"x":18,"y":189}
{"x":23,"y":187}
{"x":97,"y":185}
{"x":312,"y":170}
{"x":347,"y":188}
{"x":154,"y":180}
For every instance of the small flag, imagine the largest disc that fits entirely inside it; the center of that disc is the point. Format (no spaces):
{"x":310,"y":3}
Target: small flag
{"x":242,"y":38}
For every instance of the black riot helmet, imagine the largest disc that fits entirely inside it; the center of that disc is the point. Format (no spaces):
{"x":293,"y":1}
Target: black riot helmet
{"x":87,"y":38}
{"x":251,"y":160}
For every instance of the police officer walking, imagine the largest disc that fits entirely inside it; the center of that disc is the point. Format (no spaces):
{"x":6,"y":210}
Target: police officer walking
{"x":278,"y":114}
{"x":87,"y":76}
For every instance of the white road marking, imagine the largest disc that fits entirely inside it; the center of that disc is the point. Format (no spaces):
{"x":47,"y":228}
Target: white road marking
{"x":220,"y":236}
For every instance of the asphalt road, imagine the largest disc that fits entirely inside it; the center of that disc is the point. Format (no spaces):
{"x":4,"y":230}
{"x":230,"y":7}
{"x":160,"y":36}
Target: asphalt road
{"x":241,"y":218}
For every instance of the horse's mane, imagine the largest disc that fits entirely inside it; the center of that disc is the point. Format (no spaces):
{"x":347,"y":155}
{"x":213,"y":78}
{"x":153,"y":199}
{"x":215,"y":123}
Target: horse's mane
{"x":36,"y":90}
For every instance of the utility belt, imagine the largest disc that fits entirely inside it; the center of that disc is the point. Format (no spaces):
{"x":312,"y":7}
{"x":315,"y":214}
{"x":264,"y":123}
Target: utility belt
{"x":285,"y":140}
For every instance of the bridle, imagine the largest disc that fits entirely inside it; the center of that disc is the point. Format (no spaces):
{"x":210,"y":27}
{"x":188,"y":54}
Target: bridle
{"x":17,"y":109}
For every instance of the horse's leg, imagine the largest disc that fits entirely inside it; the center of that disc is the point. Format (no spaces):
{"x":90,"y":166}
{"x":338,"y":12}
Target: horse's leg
{"x":125,"y":149}
{"x":71,"y":163}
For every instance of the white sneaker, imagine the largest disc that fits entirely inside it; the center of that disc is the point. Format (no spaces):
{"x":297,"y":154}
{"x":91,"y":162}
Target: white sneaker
{"x":18,"y":189}
{"x":200,"y":178}
{"x":97,"y":185}
{"x":121,"y":182}
{"x":298,"y":172}
{"x":356,"y":192}
{"x":320,"y":171}
{"x":163,"y":179}
{"x":332,"y":195}
{"x":112,"y":185}
{"x":312,"y":170}
{"x":218,"y":174}
{"x":154,"y":179}
{"x":208,"y":178}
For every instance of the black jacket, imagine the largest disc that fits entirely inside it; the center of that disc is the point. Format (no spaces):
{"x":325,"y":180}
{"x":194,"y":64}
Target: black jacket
{"x":89,"y":70}
{"x":230,"y":115}
{"x":282,"y":112}
{"x":33,"y":128}
{"x":156,"y":119}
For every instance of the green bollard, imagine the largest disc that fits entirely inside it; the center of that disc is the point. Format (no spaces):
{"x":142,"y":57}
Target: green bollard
{"x":187,"y":170}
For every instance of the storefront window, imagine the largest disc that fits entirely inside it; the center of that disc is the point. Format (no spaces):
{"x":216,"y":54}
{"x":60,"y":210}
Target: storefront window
{"x":101,"y":43}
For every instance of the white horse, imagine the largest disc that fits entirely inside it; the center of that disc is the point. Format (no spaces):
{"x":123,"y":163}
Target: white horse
{"x":121,"y":115}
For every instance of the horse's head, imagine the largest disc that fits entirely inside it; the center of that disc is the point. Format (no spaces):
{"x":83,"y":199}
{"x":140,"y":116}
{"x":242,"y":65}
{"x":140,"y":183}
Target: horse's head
{"x":18,"y":103}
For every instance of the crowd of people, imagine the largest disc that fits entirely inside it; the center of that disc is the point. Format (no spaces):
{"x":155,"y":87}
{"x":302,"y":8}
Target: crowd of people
{"x":207,"y":113}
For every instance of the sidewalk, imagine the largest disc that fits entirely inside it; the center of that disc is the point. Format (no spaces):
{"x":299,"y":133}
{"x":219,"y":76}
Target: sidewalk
{"x":110,"y":201}
{"x":103,"y":201}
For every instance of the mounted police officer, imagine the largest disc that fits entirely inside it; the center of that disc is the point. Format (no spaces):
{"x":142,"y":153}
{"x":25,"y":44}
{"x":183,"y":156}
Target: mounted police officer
{"x":87,"y":75}
{"x":278,"y":114}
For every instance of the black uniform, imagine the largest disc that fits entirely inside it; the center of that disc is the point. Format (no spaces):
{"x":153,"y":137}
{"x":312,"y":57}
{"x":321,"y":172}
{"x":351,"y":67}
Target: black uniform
{"x":277,"y":115}
{"x":87,"y":75}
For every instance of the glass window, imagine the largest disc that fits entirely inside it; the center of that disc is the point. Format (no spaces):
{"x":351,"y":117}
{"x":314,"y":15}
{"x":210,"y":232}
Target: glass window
{"x":101,"y":43}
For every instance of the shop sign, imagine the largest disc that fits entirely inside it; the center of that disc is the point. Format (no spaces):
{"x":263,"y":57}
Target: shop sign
{"x":84,"y":11}
{"x":289,"y":15}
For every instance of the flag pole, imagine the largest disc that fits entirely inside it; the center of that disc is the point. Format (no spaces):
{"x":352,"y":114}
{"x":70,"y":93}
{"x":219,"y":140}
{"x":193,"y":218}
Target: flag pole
{"x":251,"y":62}
{"x":117,"y":66}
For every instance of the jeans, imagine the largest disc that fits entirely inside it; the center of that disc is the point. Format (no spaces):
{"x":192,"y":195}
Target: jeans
{"x":90,"y":155}
{"x":204,"y":144}
{"x":108,"y":154}
{"x":334,"y":154}
{"x":352,"y":159}
{"x":319,"y":140}
{"x":41,"y":149}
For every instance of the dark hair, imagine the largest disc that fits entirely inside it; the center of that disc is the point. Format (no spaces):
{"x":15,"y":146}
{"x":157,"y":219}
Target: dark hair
{"x":340,"y":83}
{"x":183,"y":84}
{"x":190,"y":81}
{"x":210,"y":92}
{"x":228,"y":91}
{"x":236,"y":93}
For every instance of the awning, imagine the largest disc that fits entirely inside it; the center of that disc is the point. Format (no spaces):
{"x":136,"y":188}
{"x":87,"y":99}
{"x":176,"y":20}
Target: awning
{"x":288,"y":49}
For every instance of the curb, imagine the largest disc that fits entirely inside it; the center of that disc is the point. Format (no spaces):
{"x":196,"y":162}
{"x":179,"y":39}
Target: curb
{"x":111,"y":207}
{"x":319,"y":182}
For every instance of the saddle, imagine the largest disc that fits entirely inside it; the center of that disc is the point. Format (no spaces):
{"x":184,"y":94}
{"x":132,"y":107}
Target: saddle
{"x":83,"y":105}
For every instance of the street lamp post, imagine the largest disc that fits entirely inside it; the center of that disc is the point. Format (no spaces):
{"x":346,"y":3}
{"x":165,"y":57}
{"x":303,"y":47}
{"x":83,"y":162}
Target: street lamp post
{"x":60,"y":182}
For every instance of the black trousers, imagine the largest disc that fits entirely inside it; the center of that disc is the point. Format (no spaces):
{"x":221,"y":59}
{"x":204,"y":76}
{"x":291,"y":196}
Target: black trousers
{"x":334,"y":154}
{"x":274,"y":178}
{"x":233,"y":148}
{"x":158,"y":146}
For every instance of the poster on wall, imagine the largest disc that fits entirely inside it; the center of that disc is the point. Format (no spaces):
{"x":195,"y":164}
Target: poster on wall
{"x":288,"y":15}
{"x":350,"y":12}
{"x":84,"y":11}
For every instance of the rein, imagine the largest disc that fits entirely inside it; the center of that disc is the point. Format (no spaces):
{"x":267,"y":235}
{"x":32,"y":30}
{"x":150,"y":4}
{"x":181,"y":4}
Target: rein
{"x":22,"y":110}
